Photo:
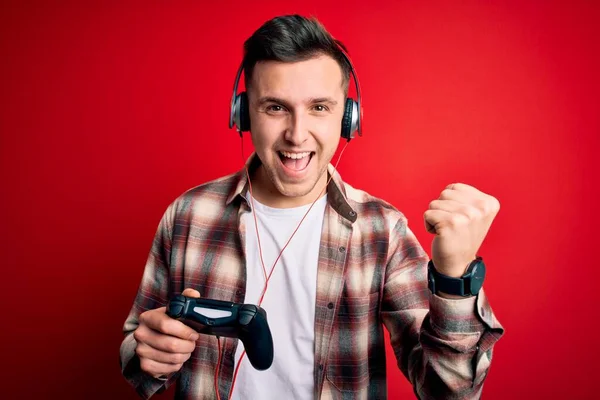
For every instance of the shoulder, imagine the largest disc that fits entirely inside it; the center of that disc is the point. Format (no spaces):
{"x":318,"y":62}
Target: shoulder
{"x":216,"y":189}
{"x":374,"y":211}
{"x":208,"y":199}
{"x":380,"y":226}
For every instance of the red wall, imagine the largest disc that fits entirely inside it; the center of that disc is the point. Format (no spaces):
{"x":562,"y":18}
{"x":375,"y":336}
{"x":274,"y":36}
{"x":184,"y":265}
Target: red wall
{"x":108,"y":112}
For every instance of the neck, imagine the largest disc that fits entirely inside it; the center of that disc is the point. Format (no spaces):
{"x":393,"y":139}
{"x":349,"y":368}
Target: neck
{"x":265,"y":192}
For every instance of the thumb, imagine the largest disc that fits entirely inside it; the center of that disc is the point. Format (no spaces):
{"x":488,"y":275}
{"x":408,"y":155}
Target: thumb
{"x":429,"y":224}
{"x":191,"y":293}
{"x":429,"y":227}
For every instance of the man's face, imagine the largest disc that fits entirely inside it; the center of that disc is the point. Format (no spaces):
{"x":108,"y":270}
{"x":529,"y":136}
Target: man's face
{"x":296,"y":111}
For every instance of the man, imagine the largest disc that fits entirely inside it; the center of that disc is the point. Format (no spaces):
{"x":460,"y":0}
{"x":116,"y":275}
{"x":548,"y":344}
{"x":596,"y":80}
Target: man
{"x":351,"y":266}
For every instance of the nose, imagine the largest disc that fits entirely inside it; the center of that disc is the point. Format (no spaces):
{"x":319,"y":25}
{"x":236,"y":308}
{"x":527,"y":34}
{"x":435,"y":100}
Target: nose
{"x":297,"y":133}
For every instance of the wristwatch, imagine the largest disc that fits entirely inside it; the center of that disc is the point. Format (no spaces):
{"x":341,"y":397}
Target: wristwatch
{"x":467,"y":285}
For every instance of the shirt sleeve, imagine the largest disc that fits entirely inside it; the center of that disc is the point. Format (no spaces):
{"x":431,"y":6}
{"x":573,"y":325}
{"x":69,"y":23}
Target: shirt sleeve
{"x":443,"y":346}
{"x":152,"y":293}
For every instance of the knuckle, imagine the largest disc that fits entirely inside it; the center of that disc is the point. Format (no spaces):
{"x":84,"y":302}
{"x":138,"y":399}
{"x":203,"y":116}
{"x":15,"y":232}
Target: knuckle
{"x":163,"y":325}
{"x":482,"y":204}
{"x":487,"y":206}
{"x":486,"y":209}
{"x":146,"y":316}
{"x":146,"y":366}
{"x":172,"y":346}
{"x":181,"y":358}
{"x":456,"y":220}
{"x":471,"y":213}
{"x":140,"y":350}
{"x":495,"y":205}
{"x":177,"y":358}
{"x":138,"y":334}
{"x":445,"y":194}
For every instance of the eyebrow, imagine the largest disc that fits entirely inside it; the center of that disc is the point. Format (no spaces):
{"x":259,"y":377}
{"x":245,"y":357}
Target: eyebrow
{"x":317,"y":100}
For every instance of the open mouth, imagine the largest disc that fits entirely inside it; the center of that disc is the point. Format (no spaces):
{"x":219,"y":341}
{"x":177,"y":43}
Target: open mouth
{"x":295,"y":161}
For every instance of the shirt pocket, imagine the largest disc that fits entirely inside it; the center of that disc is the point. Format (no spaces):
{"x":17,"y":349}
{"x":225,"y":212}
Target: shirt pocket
{"x":354,"y":340}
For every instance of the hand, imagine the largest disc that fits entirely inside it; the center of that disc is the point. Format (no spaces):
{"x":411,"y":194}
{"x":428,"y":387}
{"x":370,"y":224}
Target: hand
{"x":460,"y":219}
{"x":163,"y":343}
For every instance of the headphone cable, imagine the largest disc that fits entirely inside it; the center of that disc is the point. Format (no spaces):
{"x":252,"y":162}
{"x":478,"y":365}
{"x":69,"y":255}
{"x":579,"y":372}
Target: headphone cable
{"x":267,"y":278}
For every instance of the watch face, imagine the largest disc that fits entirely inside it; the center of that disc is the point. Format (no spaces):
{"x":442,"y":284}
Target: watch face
{"x":477,"y":276}
{"x":430,"y":280}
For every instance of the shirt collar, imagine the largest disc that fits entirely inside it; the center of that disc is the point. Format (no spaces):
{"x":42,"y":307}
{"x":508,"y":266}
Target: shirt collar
{"x":336,"y":192}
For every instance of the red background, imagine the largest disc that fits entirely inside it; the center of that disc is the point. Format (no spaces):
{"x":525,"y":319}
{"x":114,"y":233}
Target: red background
{"x":109,"y":111}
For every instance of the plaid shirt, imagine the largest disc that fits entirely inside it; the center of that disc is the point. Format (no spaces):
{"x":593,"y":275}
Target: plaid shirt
{"x":372,"y":272}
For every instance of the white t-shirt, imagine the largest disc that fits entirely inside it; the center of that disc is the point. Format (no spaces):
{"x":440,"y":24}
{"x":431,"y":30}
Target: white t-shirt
{"x":289,"y":300}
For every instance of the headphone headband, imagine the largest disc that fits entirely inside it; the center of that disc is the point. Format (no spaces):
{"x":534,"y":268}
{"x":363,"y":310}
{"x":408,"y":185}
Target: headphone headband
{"x":235,"y":86}
{"x":356,"y":85}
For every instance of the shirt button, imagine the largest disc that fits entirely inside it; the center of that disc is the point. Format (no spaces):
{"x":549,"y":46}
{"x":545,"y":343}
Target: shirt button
{"x":342,"y":249}
{"x":352,"y":213}
{"x":320,"y":367}
{"x":330,"y":306}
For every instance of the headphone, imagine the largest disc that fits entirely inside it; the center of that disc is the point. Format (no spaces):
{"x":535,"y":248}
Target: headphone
{"x":351,"y":122}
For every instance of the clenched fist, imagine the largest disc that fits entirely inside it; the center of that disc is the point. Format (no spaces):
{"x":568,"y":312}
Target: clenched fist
{"x":460,"y":218}
{"x":163,"y":343}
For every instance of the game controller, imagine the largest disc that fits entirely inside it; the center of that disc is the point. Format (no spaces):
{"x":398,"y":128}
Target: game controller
{"x":246,"y":322}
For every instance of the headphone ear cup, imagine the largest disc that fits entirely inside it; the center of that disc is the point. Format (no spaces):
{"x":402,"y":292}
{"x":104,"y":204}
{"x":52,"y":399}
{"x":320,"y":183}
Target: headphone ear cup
{"x":244,"y":113}
{"x":347,"y":126}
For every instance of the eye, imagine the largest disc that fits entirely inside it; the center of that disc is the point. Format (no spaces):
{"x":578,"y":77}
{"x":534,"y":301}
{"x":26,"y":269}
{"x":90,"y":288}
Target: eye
{"x":320,"y":108}
{"x":275,"y":108}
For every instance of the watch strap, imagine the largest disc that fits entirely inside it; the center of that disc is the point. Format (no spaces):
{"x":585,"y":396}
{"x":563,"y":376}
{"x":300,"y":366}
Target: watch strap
{"x":447,"y":284}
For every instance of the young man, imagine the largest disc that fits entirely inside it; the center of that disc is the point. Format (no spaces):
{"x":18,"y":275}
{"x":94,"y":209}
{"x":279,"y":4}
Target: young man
{"x":351,"y":266}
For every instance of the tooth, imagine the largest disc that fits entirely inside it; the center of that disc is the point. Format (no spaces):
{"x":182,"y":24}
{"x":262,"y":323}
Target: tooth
{"x":295,"y":156}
